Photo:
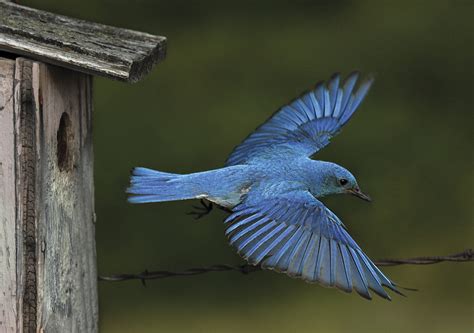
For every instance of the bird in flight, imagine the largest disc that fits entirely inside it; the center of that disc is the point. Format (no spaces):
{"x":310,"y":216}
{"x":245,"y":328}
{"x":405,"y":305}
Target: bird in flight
{"x":272,"y":188}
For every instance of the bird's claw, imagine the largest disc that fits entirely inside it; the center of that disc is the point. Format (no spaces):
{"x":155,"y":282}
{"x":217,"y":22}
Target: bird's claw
{"x":201,"y":211}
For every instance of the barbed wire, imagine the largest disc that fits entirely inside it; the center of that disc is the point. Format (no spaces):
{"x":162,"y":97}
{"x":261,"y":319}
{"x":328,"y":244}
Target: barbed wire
{"x":466,"y":255}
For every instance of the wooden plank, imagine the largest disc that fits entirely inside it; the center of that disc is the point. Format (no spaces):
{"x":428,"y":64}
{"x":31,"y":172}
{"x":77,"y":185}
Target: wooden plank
{"x":83,"y":46}
{"x":26,"y":161}
{"x":46,"y":200}
{"x":67,"y":272}
{"x":9,"y":316}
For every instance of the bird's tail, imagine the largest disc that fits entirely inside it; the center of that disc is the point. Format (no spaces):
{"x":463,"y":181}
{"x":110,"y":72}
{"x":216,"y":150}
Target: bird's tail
{"x":147,"y":185}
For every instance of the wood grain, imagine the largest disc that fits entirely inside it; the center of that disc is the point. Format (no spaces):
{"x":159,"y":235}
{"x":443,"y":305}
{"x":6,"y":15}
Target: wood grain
{"x":83,"y":46}
{"x":8,"y":256}
{"x":67,"y":273}
{"x":48,"y":274}
{"x":26,"y":161}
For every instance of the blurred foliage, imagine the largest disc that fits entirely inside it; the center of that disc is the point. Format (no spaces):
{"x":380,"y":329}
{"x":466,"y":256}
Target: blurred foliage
{"x":229,"y":65}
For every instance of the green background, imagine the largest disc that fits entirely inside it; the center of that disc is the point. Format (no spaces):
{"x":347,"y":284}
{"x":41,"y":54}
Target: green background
{"x":228,"y":67}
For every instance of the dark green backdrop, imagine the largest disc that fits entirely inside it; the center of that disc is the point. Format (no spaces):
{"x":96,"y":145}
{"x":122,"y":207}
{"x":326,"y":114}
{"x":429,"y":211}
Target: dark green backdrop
{"x":228,"y":67}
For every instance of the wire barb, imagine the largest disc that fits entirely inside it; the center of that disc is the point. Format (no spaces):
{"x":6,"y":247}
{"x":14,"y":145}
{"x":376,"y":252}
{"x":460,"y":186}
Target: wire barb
{"x":466,"y":255}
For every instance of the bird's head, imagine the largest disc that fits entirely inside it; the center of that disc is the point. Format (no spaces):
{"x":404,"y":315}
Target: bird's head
{"x":340,"y":181}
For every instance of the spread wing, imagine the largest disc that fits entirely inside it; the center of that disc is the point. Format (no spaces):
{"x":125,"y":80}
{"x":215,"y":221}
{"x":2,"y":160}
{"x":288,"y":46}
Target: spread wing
{"x":307,"y":124}
{"x":296,"y":234}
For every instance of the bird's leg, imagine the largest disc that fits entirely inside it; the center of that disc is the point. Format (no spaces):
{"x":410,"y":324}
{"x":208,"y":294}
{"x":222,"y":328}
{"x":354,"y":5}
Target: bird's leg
{"x":201,"y":211}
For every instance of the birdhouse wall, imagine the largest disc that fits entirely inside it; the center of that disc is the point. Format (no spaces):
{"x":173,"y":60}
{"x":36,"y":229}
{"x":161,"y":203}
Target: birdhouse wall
{"x":48,"y":276}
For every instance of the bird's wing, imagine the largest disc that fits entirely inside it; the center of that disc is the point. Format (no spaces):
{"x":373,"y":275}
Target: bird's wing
{"x":305,"y":125}
{"x":296,"y":234}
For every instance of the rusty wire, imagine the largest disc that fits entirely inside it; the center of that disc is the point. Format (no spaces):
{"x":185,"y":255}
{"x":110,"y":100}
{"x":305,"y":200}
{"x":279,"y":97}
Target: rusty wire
{"x":465,"y":256}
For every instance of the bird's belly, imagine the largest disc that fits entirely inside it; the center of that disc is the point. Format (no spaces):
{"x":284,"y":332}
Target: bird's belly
{"x":225,"y":202}
{"x":230,"y":199}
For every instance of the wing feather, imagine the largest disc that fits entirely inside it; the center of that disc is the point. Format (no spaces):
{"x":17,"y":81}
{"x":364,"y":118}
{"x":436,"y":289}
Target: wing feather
{"x":309,"y":263}
{"x":272,"y":262}
{"x":297,"y":254}
{"x":260,"y":244}
{"x":343,"y":280}
{"x":305,"y":125}
{"x":296,"y":234}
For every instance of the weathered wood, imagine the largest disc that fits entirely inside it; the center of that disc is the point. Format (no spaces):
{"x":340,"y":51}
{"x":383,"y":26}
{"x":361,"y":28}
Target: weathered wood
{"x":8,"y":256}
{"x":51,"y":233}
{"x":79,"y":45}
{"x":26,"y":160}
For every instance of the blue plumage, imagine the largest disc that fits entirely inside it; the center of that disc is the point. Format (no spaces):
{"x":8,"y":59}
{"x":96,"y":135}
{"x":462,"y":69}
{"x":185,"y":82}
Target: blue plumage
{"x":272,"y":188}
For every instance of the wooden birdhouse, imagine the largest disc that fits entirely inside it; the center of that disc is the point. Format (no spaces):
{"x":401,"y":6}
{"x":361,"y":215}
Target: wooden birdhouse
{"x":48,"y":274}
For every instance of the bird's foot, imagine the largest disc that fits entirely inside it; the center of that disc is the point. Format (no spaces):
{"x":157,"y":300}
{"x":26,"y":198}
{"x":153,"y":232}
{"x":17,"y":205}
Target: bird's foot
{"x":201,"y":211}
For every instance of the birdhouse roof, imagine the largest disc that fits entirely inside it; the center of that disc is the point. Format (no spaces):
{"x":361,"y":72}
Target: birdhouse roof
{"x":79,"y":45}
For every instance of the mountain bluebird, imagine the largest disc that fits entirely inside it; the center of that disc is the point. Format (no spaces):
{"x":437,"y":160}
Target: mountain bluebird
{"x":272,"y":188}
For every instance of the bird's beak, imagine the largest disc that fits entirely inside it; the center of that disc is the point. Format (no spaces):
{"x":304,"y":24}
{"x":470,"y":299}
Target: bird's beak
{"x":357,"y":192}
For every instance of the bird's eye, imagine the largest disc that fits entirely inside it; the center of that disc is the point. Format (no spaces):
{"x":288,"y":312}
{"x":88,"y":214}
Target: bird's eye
{"x":343,"y":181}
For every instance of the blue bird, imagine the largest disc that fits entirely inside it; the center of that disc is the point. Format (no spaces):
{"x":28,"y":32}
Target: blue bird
{"x":272,"y":188}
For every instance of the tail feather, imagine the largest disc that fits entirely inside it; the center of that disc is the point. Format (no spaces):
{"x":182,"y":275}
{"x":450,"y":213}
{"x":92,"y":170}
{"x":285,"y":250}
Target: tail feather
{"x":147,"y":185}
